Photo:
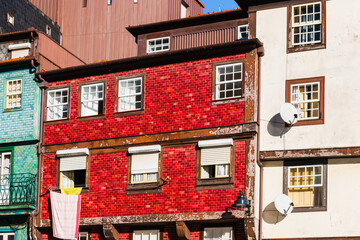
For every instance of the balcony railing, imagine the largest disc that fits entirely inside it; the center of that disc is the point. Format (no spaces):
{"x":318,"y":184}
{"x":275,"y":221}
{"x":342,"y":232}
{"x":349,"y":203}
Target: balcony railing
{"x":17,"y":189}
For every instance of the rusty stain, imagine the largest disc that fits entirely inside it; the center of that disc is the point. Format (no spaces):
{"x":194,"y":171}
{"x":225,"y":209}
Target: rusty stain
{"x":224,"y":131}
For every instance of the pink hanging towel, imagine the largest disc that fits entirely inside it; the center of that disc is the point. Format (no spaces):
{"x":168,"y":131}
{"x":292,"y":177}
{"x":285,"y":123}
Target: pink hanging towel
{"x":65,"y":211}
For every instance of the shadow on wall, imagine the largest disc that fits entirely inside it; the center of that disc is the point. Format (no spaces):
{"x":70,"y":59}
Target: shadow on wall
{"x":277,"y":127}
{"x":271,"y":215}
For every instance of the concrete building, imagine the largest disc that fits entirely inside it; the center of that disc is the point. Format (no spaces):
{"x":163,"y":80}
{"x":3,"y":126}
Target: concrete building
{"x":311,"y":61}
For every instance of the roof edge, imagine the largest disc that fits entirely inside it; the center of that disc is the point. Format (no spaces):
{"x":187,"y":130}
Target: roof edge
{"x":139,"y":62}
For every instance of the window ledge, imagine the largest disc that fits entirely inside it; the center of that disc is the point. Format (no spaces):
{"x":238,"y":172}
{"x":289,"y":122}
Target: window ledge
{"x":214,"y":183}
{"x":309,"y":122}
{"x":60,"y":121}
{"x":88,"y":118}
{"x":143,"y":188}
{"x":12,"y":109}
{"x":308,"y":47}
{"x":129,"y":113}
{"x":225,"y":101}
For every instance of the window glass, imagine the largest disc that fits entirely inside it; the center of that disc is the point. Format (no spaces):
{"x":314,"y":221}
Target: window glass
{"x":57,"y":104}
{"x":158,"y":45}
{"x":229,"y":81}
{"x":147,"y":235}
{"x":130,"y":94}
{"x":92,"y":99}
{"x":215,"y":162}
{"x":13,"y":94}
{"x":218,"y":233}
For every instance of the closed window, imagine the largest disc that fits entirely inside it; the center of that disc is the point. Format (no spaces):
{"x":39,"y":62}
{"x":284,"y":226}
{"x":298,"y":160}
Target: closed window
{"x":223,"y":233}
{"x":229,"y":81}
{"x":306,"y":23}
{"x":307,"y":97}
{"x":92,"y":99}
{"x":243,"y":31}
{"x":73,"y":167}
{"x":306,"y":184}
{"x":58,"y":104}
{"x":13,"y":94}
{"x":130,"y":94}
{"x":158,"y":45}
{"x":7,"y":236}
{"x":144,"y":164}
{"x":83,"y":236}
{"x":147,"y":235}
{"x":10,"y":19}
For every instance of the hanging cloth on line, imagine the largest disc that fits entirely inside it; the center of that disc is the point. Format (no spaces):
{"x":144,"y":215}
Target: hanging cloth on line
{"x":65,"y":211}
{"x":71,"y":191}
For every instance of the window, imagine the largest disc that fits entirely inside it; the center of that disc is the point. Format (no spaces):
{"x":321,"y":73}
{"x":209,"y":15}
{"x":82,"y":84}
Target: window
{"x":58,"y":104}
{"x":228,"y":83}
{"x":307,"y":96}
{"x":92,"y":99}
{"x":10,"y":19}
{"x":73,"y":167}
{"x":307,"y":26}
{"x":13,"y":94}
{"x":224,"y":233}
{"x":215,"y":162}
{"x":184,"y":10}
{"x":147,"y":235}
{"x":243,"y":31}
{"x":306,"y":184}
{"x":84,"y":3}
{"x":48,"y":30}
{"x":83,"y":236}
{"x":7,"y":236}
{"x":109,"y":2}
{"x":130,"y":94}
{"x":158,"y":45}
{"x":144,"y":163}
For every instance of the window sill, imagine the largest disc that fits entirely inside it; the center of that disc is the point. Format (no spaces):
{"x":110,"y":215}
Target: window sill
{"x":129,"y":113}
{"x":306,"y":48}
{"x":12,"y":109}
{"x":143,"y":188}
{"x":309,"y":122}
{"x":214,"y":183}
{"x":309,"y":209}
{"x":60,"y":121}
{"x":88,"y":118}
{"x":230,"y":100}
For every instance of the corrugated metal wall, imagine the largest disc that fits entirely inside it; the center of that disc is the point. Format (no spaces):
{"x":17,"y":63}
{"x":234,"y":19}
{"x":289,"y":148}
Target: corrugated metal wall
{"x":206,"y":37}
{"x":97,"y":31}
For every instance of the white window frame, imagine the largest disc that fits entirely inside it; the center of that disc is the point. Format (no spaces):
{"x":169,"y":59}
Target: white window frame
{"x":96,"y":99}
{"x":241,"y":31}
{"x":6,"y":235}
{"x":305,"y":24}
{"x":219,"y":228}
{"x":123,"y":93}
{"x":10,"y":18}
{"x":83,"y":234}
{"x":59,"y":106}
{"x":297,"y":102}
{"x":162,"y":45}
{"x":15,"y":93}
{"x":183,"y":11}
{"x":306,"y":176}
{"x":143,"y":232}
{"x":223,"y":83}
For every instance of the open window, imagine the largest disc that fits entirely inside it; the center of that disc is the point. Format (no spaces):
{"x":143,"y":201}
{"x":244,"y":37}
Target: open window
{"x":73,"y":168}
{"x":57,"y":107}
{"x":93,"y":99}
{"x":218,"y":233}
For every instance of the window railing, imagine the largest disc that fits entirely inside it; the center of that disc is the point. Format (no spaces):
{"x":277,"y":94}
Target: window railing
{"x":17,"y":189}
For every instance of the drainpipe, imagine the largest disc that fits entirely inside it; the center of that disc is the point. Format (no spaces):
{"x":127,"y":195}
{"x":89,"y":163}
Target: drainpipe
{"x":34,"y":214}
{"x":259,"y":163}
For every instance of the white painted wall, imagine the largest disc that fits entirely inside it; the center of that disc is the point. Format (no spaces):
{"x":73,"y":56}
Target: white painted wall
{"x":339,"y":63}
{"x":342,"y":217}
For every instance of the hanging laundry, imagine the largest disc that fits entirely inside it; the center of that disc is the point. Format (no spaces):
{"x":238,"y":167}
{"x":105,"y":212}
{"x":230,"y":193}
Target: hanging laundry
{"x":65,"y":210}
{"x":71,"y":191}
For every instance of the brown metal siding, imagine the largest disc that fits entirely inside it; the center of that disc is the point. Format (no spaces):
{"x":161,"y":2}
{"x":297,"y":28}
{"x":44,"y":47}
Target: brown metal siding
{"x":203,"y":38}
{"x":175,"y":8}
{"x":97,"y":32}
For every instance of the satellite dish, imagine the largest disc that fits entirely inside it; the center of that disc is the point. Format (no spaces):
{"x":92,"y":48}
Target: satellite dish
{"x":289,"y":113}
{"x":283,"y":204}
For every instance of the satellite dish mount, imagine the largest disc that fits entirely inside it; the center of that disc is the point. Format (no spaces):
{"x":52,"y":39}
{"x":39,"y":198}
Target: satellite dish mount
{"x":289,"y":114}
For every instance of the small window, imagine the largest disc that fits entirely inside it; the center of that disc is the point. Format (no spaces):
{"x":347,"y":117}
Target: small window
{"x":147,"y":235}
{"x":83,"y":236}
{"x":243,"y":31}
{"x":10,"y":19}
{"x":7,"y":236}
{"x":73,"y":167}
{"x":306,"y":184}
{"x":84,"y":3}
{"x":144,"y":164}
{"x":158,"y":45}
{"x":109,"y":2}
{"x":185,"y":10}
{"x":307,"y":97}
{"x":58,"y":104}
{"x":13,"y":94}
{"x":229,"y":80}
{"x":48,"y":30}
{"x":130,"y":94}
{"x":224,"y":233}
{"x":92,"y":99}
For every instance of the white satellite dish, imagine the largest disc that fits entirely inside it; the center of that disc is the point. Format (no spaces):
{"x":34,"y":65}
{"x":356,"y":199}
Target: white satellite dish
{"x":289,"y":113}
{"x":283,"y":204}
